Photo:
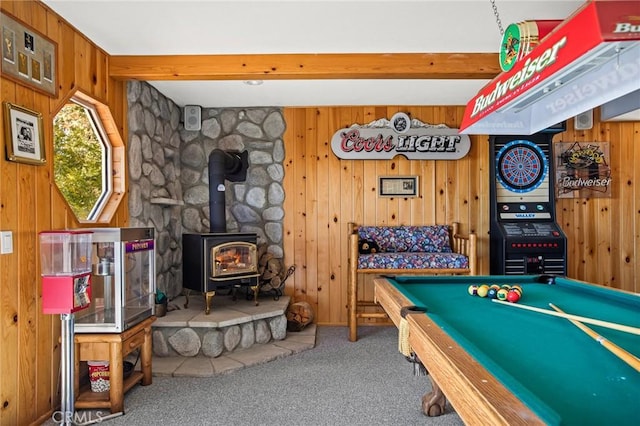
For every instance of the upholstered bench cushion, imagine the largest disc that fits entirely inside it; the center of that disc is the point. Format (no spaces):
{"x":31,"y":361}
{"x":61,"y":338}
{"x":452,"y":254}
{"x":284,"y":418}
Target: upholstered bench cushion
{"x":398,"y":239}
{"x":413,"y":261}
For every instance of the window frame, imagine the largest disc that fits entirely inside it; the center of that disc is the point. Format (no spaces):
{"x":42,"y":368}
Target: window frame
{"x":113,"y":162}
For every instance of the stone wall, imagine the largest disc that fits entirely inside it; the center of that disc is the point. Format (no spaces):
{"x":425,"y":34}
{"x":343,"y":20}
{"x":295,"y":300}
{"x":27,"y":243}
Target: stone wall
{"x":168,"y":176}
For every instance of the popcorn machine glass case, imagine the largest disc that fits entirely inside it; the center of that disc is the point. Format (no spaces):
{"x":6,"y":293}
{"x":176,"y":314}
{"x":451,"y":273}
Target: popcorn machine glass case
{"x":123,"y":280}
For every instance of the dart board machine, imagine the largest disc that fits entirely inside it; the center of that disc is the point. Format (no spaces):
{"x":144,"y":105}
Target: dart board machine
{"x":524,"y":236}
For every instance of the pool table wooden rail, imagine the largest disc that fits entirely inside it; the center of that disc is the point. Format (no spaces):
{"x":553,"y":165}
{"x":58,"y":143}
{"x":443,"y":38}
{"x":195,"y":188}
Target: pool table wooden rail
{"x":476,"y":395}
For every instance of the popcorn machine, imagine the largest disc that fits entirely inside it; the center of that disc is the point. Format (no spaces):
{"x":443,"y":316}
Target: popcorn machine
{"x":123,"y":278}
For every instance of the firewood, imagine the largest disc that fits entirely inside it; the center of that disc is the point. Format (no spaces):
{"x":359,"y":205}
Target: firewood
{"x":299,"y":315}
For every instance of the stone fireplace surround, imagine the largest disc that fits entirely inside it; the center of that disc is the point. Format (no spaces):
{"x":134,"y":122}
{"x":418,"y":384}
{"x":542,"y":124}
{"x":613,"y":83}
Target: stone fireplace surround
{"x":168,"y":179}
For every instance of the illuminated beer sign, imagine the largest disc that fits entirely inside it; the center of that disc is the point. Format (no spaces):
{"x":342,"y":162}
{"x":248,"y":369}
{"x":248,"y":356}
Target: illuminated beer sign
{"x":384,"y":139}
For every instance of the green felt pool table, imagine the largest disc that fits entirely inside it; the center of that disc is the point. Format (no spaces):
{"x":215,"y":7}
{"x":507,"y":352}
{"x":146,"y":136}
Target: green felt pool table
{"x":497,"y":364}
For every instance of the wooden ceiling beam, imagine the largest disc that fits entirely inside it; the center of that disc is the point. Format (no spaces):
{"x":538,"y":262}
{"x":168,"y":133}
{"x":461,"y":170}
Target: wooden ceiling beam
{"x":306,"y":66}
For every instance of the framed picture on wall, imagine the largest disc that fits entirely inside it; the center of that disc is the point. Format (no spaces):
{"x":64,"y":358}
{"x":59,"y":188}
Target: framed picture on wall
{"x":28,"y":57}
{"x":398,"y":186}
{"x":23,"y":135}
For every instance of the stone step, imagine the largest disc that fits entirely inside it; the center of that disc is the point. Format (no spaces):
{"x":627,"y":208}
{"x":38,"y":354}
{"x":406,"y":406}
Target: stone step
{"x":231,"y":325}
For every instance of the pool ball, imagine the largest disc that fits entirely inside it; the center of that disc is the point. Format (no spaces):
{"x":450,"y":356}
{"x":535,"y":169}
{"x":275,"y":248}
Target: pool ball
{"x":506,"y":287}
{"x":473,"y":289}
{"x":513,"y":296}
{"x":502,"y":294}
{"x":496,"y":286}
{"x":483,"y":290}
{"x":517,"y":290}
{"x":492,"y":293}
{"x":517,"y":287}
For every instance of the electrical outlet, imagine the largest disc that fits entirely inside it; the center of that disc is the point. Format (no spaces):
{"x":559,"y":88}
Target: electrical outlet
{"x":6,"y":242}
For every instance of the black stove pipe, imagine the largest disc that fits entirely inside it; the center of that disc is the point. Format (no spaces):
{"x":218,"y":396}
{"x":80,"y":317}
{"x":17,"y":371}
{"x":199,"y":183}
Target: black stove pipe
{"x":229,"y":165}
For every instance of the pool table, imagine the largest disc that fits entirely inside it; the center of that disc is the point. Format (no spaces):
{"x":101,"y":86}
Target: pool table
{"x":498,"y":364}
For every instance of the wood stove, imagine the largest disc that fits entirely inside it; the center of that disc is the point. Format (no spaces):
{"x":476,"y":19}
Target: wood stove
{"x":215,"y":261}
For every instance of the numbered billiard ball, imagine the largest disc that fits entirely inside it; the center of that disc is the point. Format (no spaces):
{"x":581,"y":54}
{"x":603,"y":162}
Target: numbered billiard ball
{"x":483,"y":290}
{"x":473,"y":289}
{"x":492,"y":293}
{"x":502,"y":294}
{"x":513,"y":296}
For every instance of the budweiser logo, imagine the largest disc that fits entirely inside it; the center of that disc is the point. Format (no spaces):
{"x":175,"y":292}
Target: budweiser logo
{"x":532,"y":68}
{"x":626,"y":27}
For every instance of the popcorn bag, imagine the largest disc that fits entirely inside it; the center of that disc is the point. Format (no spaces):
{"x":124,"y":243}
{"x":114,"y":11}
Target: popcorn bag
{"x":98,"y":375}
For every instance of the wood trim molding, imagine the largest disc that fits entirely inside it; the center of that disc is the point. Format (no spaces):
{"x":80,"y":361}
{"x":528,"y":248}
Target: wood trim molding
{"x":307,"y":66}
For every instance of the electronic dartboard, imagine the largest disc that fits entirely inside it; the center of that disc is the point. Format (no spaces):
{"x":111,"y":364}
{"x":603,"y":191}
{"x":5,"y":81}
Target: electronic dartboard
{"x":525,"y":238}
{"x":521,"y":166}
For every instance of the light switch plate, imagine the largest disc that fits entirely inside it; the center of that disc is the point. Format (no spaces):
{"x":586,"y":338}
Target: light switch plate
{"x":6,"y":242}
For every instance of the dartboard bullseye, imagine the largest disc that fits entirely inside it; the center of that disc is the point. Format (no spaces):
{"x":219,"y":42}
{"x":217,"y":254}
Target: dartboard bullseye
{"x":521,"y":166}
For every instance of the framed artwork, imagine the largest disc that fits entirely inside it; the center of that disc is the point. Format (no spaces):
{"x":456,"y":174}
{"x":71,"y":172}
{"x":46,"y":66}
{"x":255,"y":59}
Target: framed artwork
{"x":398,"y":186}
{"x":24,"y":138}
{"x":28,"y":57}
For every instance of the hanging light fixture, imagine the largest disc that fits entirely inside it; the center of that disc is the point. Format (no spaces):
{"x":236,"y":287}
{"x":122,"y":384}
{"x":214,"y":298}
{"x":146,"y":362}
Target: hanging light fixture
{"x":591,"y":58}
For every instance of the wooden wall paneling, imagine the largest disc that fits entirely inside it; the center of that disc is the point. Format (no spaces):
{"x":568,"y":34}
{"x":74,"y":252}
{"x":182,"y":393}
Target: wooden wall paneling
{"x":9,"y":281}
{"x":288,"y":222}
{"x":626,"y":182}
{"x":300,"y":151}
{"x":66,"y":63}
{"x":312,"y":207}
{"x":327,"y":279}
{"x":85,"y":64}
{"x":337,"y":230}
{"x":345,"y":205}
{"x":27,"y":290}
{"x":572,"y":226}
{"x":604,"y":230}
{"x":417,"y":204}
{"x":45,"y":383}
{"x":441,"y":177}
{"x":602,"y":224}
{"x":631,"y":279}
{"x":480,"y":211}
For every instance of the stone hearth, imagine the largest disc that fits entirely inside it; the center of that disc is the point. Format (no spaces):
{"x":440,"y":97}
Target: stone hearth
{"x":236,"y":334}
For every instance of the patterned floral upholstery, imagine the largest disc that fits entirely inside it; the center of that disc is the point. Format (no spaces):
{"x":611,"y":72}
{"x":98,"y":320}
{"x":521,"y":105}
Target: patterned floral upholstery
{"x":407,"y":260}
{"x":418,"y":239}
{"x":410,"y":247}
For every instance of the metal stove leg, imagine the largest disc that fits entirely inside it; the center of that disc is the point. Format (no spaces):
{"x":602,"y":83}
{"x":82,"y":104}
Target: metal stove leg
{"x":208,"y":296}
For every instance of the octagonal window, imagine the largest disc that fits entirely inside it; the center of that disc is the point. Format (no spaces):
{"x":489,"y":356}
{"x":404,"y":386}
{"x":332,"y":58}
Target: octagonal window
{"x":88,"y":158}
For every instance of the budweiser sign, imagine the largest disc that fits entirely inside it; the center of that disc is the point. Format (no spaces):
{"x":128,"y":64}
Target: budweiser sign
{"x":384,"y":139}
{"x":589,"y":59}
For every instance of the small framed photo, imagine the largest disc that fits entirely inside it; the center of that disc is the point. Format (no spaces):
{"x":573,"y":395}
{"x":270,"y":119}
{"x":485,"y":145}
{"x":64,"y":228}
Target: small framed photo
{"x":398,"y":186}
{"x":23,"y":133}
{"x":28,"y":57}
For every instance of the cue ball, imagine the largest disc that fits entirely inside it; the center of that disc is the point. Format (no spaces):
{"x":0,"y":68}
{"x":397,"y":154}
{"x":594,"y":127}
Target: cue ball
{"x":483,"y":290}
{"x":513,"y":296}
{"x":492,"y":293}
{"x":502,"y":294}
{"x":473,"y":289}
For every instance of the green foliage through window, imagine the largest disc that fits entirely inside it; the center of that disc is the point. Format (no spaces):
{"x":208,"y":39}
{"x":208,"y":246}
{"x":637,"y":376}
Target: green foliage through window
{"x":79,"y":156}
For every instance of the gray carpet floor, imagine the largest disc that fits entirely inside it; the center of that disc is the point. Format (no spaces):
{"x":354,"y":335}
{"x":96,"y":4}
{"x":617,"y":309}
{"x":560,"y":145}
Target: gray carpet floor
{"x":336,"y":383}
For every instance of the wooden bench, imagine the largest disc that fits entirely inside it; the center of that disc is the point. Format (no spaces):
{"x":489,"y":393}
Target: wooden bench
{"x":404,"y":250}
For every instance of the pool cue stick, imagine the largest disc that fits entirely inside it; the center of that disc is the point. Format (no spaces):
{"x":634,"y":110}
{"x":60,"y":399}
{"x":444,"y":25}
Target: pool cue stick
{"x":601,"y":323}
{"x":625,"y":356}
